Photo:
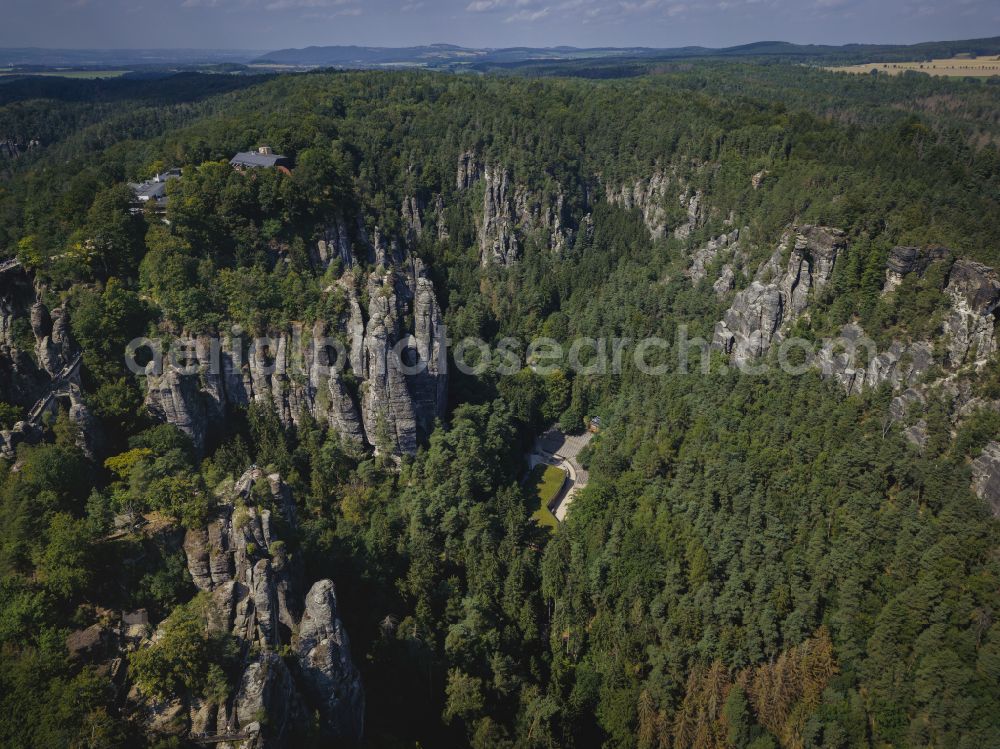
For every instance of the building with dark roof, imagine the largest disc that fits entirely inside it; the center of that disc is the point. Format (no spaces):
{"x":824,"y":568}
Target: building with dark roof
{"x":262,"y":158}
{"x":154,"y":190}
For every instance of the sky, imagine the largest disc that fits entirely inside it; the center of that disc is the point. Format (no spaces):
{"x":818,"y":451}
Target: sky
{"x":276,"y":24}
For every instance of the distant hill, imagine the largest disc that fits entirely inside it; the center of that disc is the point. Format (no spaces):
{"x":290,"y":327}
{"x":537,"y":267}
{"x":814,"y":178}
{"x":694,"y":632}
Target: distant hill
{"x":30,"y":56}
{"x":597,"y":61}
{"x":448,"y":55}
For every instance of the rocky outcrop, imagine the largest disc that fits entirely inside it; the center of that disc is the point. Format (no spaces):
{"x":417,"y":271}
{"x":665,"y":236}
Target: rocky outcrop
{"x":705,"y":256}
{"x":256,"y":593}
{"x":854,"y":361}
{"x":974,"y":291}
{"x":175,"y":398}
{"x":649,"y":196}
{"x":469,"y":170}
{"x":779,"y":292}
{"x":334,"y":243}
{"x":543,"y":213}
{"x":498,"y":242}
{"x":351,"y":376}
{"x":511,"y":212}
{"x":905,"y":260}
{"x":35,"y":344}
{"x":411,"y":214}
{"x":440,"y":221}
{"x":986,"y":477}
{"x":332,"y":680}
{"x":39,"y":367}
{"x":693,"y":207}
{"x":429,"y":386}
{"x":386,"y":404}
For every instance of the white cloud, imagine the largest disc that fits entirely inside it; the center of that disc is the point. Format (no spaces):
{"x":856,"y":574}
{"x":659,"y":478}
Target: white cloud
{"x":347,"y":6}
{"x":481,"y":6}
{"x":527,"y":16}
{"x":412,"y":6}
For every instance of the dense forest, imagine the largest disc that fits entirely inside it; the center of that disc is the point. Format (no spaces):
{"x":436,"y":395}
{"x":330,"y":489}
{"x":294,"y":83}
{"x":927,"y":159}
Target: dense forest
{"x":763,"y":560}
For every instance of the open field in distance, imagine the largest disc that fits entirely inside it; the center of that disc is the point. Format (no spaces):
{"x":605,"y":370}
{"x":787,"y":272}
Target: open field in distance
{"x":87,"y":74}
{"x":983,"y":66}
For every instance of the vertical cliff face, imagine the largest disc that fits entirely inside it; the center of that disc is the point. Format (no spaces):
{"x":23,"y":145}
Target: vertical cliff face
{"x":386,"y":403}
{"x":511,"y":213}
{"x":974,"y":291}
{"x":330,"y":678}
{"x":391,"y":403}
{"x":905,"y":260}
{"x":39,"y":366}
{"x":334,"y":243}
{"x":26,"y":328}
{"x":257,"y":596}
{"x":469,"y":170}
{"x":411,"y":215}
{"x":498,"y":242}
{"x":703,"y":257}
{"x":779,"y":292}
{"x":429,"y":386}
{"x":986,"y":477}
{"x":649,"y":196}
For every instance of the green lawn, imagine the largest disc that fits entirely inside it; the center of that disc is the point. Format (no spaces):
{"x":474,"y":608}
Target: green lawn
{"x":544,"y":482}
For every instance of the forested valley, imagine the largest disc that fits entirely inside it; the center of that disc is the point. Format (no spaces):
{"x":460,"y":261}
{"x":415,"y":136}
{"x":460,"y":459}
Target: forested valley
{"x":759,"y":559}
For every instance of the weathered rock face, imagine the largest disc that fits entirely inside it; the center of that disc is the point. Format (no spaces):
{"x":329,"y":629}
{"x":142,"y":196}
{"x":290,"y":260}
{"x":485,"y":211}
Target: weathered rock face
{"x":974,"y":290}
{"x":429,"y":386}
{"x":332,"y":679}
{"x":705,"y":256}
{"x":511,"y":212}
{"x":650,"y":196}
{"x":44,"y":378}
{"x":304,"y":371}
{"x":177,"y":399}
{"x":986,"y":477}
{"x":692,"y":204}
{"x":905,"y":260}
{"x":25,"y":378}
{"x":439,"y":220}
{"x":855,"y":362}
{"x":411,"y":214}
{"x":469,"y":170}
{"x":779,"y":292}
{"x":498,"y":242}
{"x":257,"y":596}
{"x":386,"y":404}
{"x":334,"y":243}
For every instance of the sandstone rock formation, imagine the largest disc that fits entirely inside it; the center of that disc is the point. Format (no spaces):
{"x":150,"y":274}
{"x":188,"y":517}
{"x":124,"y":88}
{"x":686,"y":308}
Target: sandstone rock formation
{"x":39,"y":367}
{"x":693,"y":205}
{"x":650,"y":196}
{"x":905,"y":260}
{"x":705,"y":256}
{"x":305,"y":370}
{"x":469,"y":170}
{"x":330,"y":676}
{"x":498,"y":242}
{"x":856,"y":363}
{"x":974,"y":291}
{"x":779,"y":292}
{"x":257,"y":596}
{"x":986,"y":477}
{"x":334,"y":243}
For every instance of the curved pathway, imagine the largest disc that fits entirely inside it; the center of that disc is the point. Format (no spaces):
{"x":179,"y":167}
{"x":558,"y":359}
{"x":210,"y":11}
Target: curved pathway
{"x":561,"y":450}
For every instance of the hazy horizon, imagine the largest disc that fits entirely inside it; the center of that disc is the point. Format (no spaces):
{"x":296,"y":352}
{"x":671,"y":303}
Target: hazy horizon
{"x":276,"y":24}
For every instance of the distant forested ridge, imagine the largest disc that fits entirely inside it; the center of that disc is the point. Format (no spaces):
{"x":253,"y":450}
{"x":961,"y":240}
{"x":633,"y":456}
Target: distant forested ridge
{"x":280,"y":558}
